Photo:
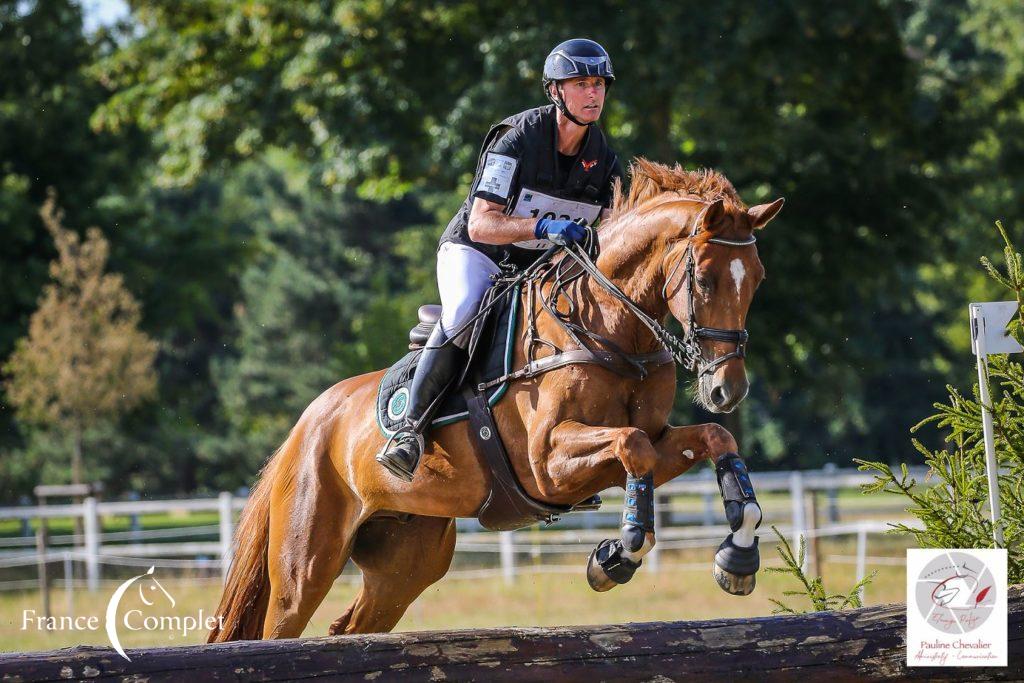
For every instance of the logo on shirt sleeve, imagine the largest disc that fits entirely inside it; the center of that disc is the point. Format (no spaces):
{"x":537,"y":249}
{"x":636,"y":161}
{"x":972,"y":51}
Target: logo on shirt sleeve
{"x":497,"y":173}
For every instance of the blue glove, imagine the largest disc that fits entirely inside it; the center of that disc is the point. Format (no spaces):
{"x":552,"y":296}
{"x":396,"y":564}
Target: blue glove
{"x":559,"y":231}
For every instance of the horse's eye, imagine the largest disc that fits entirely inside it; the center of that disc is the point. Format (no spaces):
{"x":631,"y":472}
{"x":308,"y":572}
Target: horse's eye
{"x":703,"y":284}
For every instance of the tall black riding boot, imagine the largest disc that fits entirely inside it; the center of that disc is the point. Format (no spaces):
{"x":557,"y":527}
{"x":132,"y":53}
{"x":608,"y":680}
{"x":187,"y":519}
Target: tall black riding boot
{"x":437,"y":368}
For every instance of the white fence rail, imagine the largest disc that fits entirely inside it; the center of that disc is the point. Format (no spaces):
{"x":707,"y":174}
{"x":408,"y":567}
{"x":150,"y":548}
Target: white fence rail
{"x":94,"y":548}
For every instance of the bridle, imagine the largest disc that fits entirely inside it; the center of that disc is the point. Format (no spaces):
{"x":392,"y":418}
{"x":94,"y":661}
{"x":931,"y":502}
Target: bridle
{"x":685,"y":350}
{"x":693,"y":356}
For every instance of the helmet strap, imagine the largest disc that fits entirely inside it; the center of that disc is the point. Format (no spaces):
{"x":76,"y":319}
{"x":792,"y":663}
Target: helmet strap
{"x":559,"y":101}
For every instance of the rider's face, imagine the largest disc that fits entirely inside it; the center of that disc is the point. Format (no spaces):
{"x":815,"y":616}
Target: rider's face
{"x":584,"y":97}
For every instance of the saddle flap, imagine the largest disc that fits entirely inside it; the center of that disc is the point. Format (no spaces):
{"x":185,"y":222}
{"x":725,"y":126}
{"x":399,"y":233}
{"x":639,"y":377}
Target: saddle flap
{"x":494,"y":348}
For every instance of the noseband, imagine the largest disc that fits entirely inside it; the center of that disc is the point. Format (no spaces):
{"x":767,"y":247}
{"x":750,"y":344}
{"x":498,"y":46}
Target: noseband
{"x":689,"y":346}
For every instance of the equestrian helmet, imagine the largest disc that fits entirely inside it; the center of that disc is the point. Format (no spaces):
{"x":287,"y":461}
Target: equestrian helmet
{"x":575,"y":58}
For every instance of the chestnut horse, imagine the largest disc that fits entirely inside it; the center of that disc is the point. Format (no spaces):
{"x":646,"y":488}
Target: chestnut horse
{"x":680,"y":242}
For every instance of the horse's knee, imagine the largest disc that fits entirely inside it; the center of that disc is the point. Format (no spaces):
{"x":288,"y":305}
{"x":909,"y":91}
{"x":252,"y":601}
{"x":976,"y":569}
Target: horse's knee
{"x":633,"y":447}
{"x":718,"y":440}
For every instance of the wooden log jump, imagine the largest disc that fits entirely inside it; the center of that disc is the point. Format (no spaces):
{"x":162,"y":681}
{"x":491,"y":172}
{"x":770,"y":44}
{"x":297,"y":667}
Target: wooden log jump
{"x":861,"y":644}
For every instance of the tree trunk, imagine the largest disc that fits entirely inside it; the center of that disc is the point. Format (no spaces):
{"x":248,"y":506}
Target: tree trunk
{"x":851,"y":645}
{"x":76,"y":475}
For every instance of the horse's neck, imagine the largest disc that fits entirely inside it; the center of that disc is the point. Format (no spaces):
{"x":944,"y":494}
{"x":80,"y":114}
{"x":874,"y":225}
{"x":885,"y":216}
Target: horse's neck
{"x":599,"y":312}
{"x":631,"y":258}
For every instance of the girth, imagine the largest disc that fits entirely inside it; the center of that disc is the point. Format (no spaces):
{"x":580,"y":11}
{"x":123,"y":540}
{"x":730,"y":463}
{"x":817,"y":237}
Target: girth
{"x":508,"y":506}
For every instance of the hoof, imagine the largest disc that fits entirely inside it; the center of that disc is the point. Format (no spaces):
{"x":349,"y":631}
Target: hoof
{"x":733,"y":583}
{"x":607,"y":568}
{"x":736,"y":568}
{"x":596,"y":576}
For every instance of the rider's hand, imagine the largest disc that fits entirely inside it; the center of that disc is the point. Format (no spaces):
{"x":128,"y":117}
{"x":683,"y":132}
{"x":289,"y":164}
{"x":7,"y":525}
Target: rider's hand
{"x":560,"y":232}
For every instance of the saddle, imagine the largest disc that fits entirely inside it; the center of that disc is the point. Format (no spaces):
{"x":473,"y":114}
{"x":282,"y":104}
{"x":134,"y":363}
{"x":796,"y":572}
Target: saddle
{"x":480,"y":386}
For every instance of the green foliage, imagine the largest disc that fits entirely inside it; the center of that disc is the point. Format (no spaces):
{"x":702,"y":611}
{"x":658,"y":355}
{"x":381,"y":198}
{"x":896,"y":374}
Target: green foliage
{"x":892,"y":129}
{"x":953,"y":509}
{"x":324,"y":297}
{"x":812,"y":588}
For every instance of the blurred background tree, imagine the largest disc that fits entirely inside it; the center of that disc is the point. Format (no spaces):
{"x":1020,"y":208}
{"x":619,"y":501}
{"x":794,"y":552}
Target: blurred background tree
{"x":273,"y":178}
{"x":84,"y":361}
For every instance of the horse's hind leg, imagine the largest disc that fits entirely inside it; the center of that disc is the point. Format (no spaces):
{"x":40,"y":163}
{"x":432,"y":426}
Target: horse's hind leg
{"x":399,"y":560}
{"x":313,"y":522}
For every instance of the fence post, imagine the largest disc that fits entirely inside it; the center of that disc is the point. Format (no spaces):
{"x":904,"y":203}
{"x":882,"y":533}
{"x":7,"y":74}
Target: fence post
{"x":69,"y":577}
{"x":796,"y":494}
{"x":44,"y":575}
{"x":654,"y":556}
{"x":26,"y":522}
{"x":508,"y":556}
{"x":813,"y":539}
{"x":226,"y":532}
{"x":833,"y":492}
{"x":862,"y":552}
{"x":134,"y":525}
{"x":709,"y":499}
{"x":92,"y":543}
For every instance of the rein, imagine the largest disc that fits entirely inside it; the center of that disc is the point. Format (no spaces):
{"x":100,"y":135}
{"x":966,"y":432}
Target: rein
{"x":685,"y":350}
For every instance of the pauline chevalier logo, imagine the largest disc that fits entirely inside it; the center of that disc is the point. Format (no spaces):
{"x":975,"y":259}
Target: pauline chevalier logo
{"x":956,"y":607}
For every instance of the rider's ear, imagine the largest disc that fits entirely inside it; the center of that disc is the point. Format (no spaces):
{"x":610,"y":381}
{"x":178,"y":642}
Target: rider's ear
{"x":713,"y":213}
{"x":762,"y":213}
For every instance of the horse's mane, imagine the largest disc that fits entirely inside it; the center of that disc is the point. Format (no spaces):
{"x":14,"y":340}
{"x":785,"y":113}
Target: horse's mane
{"x":651,"y":180}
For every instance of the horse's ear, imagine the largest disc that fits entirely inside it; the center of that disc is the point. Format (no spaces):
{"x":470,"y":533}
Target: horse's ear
{"x":762,"y":213}
{"x":712,"y":214}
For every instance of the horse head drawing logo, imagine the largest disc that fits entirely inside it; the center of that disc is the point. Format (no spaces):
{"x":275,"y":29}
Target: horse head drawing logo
{"x":150,"y":591}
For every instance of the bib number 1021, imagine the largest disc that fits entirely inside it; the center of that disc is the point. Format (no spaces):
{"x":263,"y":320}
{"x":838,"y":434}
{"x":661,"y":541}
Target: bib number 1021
{"x":535,"y":213}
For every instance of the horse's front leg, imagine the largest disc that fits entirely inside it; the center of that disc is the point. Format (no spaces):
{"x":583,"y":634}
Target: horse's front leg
{"x":577,"y":454}
{"x":679,"y":448}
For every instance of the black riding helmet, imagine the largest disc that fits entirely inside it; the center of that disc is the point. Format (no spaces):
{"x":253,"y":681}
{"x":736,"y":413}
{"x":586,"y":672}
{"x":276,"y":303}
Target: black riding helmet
{"x":573,"y":59}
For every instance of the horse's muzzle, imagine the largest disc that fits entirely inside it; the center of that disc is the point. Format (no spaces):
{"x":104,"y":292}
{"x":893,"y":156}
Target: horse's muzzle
{"x":726,"y":395}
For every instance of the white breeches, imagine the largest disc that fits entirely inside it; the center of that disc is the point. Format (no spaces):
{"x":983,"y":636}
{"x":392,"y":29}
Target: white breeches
{"x":463,"y":276}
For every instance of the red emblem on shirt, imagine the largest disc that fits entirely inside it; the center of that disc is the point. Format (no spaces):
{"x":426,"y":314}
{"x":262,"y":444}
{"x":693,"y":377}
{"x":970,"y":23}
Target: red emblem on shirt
{"x":587,"y":165}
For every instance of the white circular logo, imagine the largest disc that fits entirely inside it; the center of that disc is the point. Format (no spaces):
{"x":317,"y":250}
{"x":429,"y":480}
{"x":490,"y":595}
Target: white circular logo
{"x":485,"y":433}
{"x":955,"y":592}
{"x":398,"y":404}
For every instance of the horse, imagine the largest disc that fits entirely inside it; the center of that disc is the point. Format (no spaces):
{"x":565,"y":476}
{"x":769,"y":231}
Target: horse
{"x":678,"y":242}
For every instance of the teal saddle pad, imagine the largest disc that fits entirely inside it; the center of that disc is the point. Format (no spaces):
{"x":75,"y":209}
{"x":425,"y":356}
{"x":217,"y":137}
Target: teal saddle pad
{"x":492,"y":358}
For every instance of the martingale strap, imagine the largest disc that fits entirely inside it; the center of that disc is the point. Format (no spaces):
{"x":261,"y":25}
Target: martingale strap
{"x":633,"y":366}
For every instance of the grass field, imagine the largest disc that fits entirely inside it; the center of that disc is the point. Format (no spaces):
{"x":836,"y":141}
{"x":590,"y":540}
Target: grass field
{"x":682,"y":589}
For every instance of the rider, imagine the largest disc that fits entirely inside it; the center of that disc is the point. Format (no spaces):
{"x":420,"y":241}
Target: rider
{"x":538,"y":172}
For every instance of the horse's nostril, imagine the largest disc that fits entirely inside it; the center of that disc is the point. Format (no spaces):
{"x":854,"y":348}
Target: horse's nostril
{"x":718,"y":396}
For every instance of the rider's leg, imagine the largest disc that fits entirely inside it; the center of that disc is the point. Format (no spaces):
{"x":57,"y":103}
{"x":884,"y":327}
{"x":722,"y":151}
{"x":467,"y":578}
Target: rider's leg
{"x":463,"y":277}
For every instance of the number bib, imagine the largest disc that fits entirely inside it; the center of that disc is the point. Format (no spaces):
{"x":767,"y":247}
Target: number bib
{"x":534,"y":204}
